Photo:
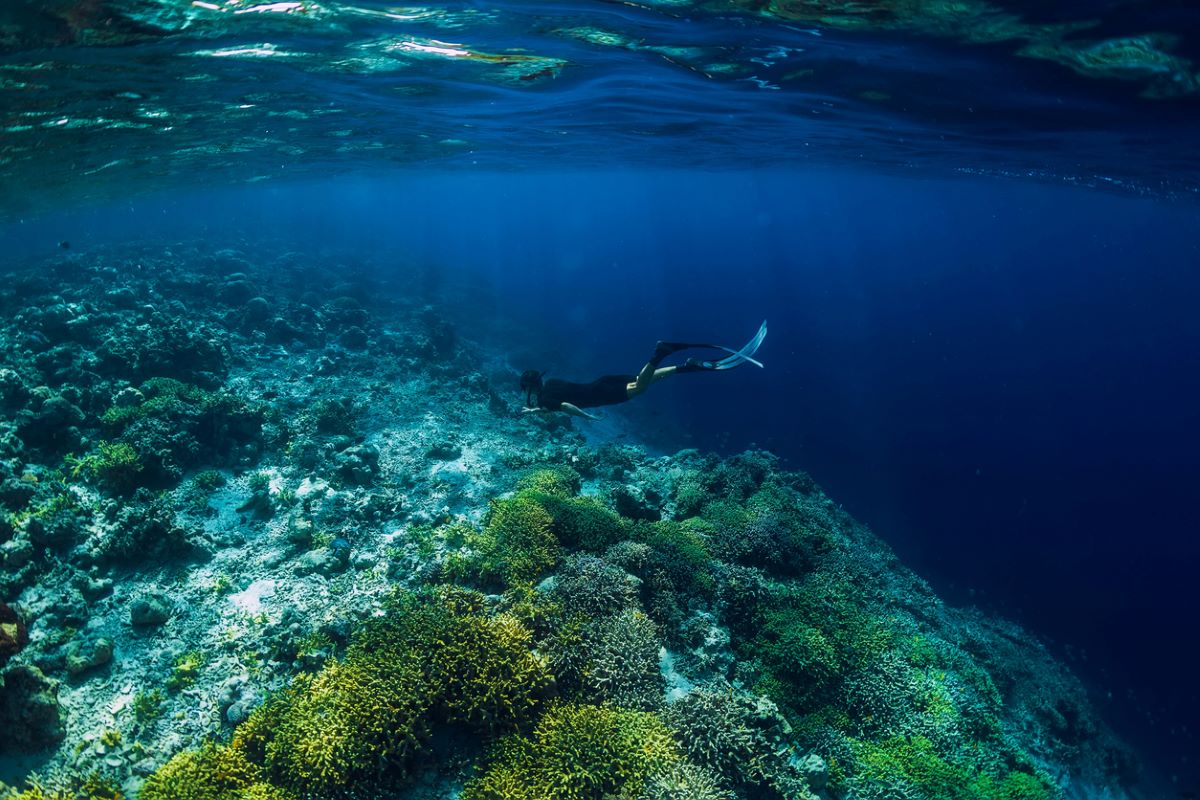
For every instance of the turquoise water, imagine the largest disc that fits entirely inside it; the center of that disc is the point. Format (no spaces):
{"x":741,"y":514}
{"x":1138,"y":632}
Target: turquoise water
{"x":108,"y":96}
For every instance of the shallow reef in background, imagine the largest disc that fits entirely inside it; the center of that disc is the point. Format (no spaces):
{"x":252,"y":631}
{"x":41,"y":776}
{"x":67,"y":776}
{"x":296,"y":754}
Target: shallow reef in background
{"x":272,"y":529}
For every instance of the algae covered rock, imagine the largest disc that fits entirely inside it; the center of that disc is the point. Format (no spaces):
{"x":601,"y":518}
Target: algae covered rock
{"x":149,"y":610}
{"x":82,"y":656}
{"x":30,"y":717}
{"x":13,"y":636}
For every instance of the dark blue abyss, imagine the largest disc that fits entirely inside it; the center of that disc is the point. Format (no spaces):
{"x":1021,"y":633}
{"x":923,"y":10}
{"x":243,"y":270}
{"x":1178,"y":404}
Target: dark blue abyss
{"x":1000,"y":379}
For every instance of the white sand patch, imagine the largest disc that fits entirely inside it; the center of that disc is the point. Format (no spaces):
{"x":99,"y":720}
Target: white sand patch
{"x":251,"y":598}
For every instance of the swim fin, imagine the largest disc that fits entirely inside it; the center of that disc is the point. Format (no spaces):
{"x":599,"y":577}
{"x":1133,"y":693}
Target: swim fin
{"x":735,"y":359}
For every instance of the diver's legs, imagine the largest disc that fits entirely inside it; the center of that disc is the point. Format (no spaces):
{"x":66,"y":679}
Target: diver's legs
{"x":649,"y":375}
{"x":650,"y":372}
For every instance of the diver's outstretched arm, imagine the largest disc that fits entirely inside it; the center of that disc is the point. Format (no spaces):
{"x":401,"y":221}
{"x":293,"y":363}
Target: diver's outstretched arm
{"x":576,"y":411}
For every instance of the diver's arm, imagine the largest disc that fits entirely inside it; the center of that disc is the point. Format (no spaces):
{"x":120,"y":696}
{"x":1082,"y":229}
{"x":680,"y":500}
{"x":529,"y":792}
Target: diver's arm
{"x":576,"y":411}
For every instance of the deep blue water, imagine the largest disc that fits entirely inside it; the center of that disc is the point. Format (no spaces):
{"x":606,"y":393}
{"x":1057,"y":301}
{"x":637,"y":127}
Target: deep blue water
{"x":999,"y":378}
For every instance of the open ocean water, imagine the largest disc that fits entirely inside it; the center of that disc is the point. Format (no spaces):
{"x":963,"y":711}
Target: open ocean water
{"x":973,"y":228}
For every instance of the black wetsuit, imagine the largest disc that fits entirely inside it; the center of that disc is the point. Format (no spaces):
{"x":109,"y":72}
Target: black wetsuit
{"x":607,"y":390}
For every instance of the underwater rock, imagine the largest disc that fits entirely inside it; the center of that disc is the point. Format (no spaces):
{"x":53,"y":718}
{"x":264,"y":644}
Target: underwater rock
{"x":256,"y":310}
{"x":51,"y":420}
{"x":347,"y":311}
{"x":441,"y":335}
{"x":236,"y":701}
{"x":16,"y":553}
{"x":237,"y":290}
{"x":325,"y":561}
{"x":14,"y":492}
{"x":14,"y":391}
{"x":144,"y":527}
{"x":633,"y":502}
{"x":93,"y":588}
{"x":13,"y":636}
{"x":149,"y":610}
{"x":121,"y":297}
{"x":815,"y":771}
{"x":83,"y":656}
{"x":358,"y":464}
{"x":444,"y":450}
{"x":30,"y":716}
{"x":354,"y":338}
{"x":300,"y":530}
{"x":129,"y":397}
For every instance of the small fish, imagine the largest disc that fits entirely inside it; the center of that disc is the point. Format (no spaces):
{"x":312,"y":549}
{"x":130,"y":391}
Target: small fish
{"x":64,"y":245}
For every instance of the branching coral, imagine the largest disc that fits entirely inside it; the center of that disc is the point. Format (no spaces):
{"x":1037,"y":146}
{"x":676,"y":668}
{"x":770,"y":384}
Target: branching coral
{"x":741,"y":738}
{"x":591,"y":586}
{"x":519,"y":544}
{"x":577,"y":752}
{"x":346,"y":723}
{"x":435,"y":659}
{"x":623,"y":661}
{"x":561,"y":481}
{"x":93,"y":787}
{"x":214,"y":772}
{"x":611,"y":659}
{"x":912,"y":766}
{"x":582,"y":523}
{"x":179,"y":425}
{"x":680,"y":780}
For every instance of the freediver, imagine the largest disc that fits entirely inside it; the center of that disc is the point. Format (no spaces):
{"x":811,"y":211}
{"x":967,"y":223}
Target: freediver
{"x":572,"y":398}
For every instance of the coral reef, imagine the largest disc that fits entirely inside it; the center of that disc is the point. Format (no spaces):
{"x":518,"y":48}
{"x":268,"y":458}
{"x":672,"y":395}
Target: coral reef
{"x":577,"y":752}
{"x":263,"y":542}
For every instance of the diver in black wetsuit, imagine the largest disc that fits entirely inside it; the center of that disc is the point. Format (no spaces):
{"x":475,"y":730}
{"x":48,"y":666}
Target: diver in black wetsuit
{"x":572,"y":398}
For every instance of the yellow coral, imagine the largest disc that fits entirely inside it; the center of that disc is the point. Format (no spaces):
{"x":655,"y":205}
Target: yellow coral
{"x":577,"y":752}
{"x":213,"y":772}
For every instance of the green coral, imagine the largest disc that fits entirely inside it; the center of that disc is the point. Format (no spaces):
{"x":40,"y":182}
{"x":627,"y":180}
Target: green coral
{"x":560,"y":481}
{"x":214,"y":772}
{"x":912,"y":766}
{"x":582,"y":523}
{"x":114,"y":465}
{"x":797,"y":653}
{"x":147,"y":706}
{"x":518,"y":543}
{"x":345,"y":723}
{"x":577,"y":752}
{"x":808,"y":635}
{"x":92,"y":787}
{"x":690,"y":494}
{"x":434,"y":658}
{"x":185,"y":670}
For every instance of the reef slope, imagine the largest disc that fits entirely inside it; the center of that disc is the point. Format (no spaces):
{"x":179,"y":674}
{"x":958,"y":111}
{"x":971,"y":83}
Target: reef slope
{"x":271,"y":528}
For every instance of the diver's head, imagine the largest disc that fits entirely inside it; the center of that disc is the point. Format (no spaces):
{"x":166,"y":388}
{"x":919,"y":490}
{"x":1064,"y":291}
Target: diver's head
{"x":531,"y":384}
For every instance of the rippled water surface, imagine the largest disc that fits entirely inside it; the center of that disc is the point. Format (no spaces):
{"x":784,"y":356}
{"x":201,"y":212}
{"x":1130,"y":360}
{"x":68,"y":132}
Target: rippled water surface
{"x":108,"y":96}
